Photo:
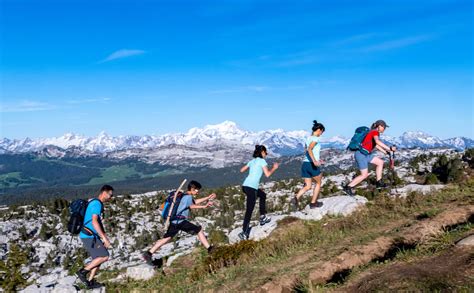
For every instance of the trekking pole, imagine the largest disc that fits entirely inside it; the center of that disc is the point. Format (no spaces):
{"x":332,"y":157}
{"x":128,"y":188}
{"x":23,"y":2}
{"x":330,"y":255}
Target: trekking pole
{"x":392,"y":160}
{"x":167,"y":223}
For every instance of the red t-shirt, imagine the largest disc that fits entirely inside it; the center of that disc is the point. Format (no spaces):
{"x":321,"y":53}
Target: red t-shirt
{"x":369,"y":141}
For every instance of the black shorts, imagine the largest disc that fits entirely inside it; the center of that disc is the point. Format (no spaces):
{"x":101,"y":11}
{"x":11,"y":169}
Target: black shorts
{"x":185,"y":226}
{"x":95,"y":247}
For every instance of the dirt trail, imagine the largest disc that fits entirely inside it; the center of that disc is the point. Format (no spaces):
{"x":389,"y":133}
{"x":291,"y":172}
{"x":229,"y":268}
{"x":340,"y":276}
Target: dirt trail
{"x":452,"y":268}
{"x":302,"y":260}
{"x":376,"y":249}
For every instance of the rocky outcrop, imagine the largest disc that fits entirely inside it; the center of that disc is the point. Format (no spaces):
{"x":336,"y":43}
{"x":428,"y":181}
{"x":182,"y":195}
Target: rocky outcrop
{"x":333,"y":206}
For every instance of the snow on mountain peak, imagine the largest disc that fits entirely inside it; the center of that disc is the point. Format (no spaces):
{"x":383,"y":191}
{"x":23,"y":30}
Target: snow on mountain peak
{"x":103,"y":134}
{"x":225,"y":127}
{"x":278,"y":141}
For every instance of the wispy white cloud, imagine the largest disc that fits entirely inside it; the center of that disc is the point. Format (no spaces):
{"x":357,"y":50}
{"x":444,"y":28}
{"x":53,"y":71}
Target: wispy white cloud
{"x":35,"y":106}
{"x":89,"y":101}
{"x":284,"y":60}
{"x":258,"y":89}
{"x":26,"y":106}
{"x":123,"y":53}
{"x":252,"y":88}
{"x":356,"y":39}
{"x":398,"y":43}
{"x":298,"y":60}
{"x":345,"y":49}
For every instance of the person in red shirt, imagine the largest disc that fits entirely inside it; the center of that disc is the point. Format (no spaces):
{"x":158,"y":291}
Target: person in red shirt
{"x":363,"y":158}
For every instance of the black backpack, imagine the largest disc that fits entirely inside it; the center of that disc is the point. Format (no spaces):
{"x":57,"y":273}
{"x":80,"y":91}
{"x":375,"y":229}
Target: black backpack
{"x":77,"y":211}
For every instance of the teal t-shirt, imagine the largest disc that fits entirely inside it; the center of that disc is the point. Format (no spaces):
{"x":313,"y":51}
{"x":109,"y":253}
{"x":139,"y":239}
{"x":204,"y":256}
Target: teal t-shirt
{"x":316,"y":149}
{"x":93,"y":208}
{"x":255,"y":172}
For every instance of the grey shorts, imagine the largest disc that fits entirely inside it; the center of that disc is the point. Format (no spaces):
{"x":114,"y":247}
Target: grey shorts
{"x":95,"y":247}
{"x":363,"y":160}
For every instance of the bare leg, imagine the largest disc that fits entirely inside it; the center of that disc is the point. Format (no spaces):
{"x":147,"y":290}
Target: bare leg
{"x":364,"y":173}
{"x":96,"y":262}
{"x":93,"y":272}
{"x":203,"y":239}
{"x":306,"y":187}
{"x":159,"y":244}
{"x":317,"y":188}
{"x":378,"y":162}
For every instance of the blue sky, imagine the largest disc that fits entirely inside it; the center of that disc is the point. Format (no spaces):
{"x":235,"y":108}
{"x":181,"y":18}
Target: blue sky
{"x":154,"y":67}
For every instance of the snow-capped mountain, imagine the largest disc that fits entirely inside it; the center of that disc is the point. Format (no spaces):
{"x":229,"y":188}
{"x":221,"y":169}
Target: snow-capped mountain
{"x":225,"y":135}
{"x":460,"y":142}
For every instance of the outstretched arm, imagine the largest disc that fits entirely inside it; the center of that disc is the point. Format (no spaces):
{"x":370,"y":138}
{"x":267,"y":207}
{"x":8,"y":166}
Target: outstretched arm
{"x":269,"y":173}
{"x":204,"y":199}
{"x":380,"y":144}
{"x":196,"y":206}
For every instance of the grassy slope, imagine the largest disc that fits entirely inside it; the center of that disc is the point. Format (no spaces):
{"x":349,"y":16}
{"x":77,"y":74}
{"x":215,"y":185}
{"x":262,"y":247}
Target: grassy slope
{"x":297,"y":245}
{"x":434,"y":266}
{"x":114,"y":173}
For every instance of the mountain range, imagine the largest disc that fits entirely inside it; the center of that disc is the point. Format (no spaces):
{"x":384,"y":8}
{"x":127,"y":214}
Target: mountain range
{"x":226,"y":135}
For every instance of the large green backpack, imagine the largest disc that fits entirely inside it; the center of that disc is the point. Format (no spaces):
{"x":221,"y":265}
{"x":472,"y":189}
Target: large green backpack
{"x":357,"y":139}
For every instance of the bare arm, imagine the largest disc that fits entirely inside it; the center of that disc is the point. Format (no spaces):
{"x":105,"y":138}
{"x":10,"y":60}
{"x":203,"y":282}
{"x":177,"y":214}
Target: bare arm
{"x":379,"y":143}
{"x":269,"y":173}
{"x":97,"y":227}
{"x":201,"y":200}
{"x":310,"y":152}
{"x":196,"y":206}
{"x":244,"y":169}
{"x":381,"y":149}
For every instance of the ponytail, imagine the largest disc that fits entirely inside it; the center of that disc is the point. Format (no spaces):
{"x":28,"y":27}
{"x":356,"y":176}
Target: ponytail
{"x":257,"y":153}
{"x":317,"y":125}
{"x":379,"y":123}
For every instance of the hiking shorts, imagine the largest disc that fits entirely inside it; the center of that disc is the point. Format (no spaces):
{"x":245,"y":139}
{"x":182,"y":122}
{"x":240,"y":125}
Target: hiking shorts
{"x":95,"y":247}
{"x":363,"y":160}
{"x":185,"y":226}
{"x":309,"y":170}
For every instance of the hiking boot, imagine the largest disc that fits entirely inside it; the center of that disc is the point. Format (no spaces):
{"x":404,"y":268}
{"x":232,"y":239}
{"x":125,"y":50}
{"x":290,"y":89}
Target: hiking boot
{"x":158,"y":263}
{"x":294,"y":203}
{"x":348,"y":190}
{"x":315,"y":205}
{"x":210,"y":249}
{"x":243,"y":236}
{"x":148,"y":257}
{"x":95,"y":285}
{"x":264,"y":220}
{"x":82,"y":275}
{"x":380,"y":184}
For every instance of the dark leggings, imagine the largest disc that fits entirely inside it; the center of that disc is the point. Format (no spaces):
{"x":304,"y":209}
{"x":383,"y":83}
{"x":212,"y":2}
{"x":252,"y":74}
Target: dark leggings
{"x":252,"y":195}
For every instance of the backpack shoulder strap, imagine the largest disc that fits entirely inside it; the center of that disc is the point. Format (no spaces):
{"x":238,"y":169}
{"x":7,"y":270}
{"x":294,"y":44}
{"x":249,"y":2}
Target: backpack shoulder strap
{"x":87,"y":230}
{"x":178,"y":214}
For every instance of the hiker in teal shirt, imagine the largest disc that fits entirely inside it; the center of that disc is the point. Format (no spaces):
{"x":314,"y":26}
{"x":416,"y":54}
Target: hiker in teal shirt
{"x":255,"y":174}
{"x":94,"y":238}
{"x":93,"y":208}
{"x":311,"y":168}
{"x":257,"y":167}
